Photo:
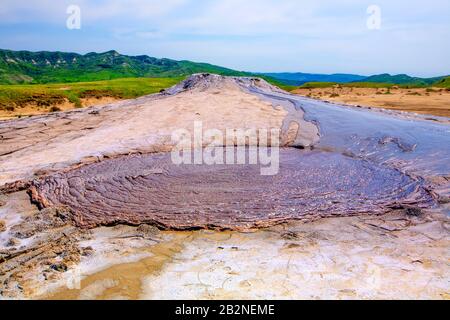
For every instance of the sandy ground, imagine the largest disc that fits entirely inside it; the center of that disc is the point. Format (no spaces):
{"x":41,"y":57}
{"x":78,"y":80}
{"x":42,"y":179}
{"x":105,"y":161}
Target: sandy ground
{"x":33,"y":110}
{"x":435,"y":101}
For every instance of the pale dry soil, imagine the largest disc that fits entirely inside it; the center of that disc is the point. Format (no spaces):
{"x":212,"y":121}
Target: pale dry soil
{"x":394,"y":256}
{"x":33,"y":110}
{"x":435,"y":101}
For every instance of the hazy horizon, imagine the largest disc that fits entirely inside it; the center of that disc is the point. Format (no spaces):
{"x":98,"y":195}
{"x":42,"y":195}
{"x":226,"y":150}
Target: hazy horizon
{"x":324,"y":37}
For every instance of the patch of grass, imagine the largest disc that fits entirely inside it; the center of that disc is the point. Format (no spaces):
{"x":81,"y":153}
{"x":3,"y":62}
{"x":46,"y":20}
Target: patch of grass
{"x":369,"y":85}
{"x":286,"y":87}
{"x":74,"y":98}
{"x":312,"y":85}
{"x":14,"y":96}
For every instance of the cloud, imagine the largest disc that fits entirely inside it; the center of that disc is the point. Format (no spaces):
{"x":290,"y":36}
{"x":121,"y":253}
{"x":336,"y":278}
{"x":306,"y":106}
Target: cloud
{"x":130,"y":9}
{"x":131,"y":34}
{"x":27,"y":11}
{"x":251,"y":17}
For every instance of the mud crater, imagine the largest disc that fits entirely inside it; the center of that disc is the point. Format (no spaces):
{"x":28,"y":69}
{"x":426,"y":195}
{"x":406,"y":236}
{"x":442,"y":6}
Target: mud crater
{"x":138,"y":189}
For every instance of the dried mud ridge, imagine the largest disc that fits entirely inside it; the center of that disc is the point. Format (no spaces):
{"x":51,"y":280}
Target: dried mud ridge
{"x":149,"y":189}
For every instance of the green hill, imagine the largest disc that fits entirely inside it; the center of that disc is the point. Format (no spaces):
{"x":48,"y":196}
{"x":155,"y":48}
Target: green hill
{"x":22,"y":67}
{"x":401,"y":79}
{"x":443,"y":83}
{"x":59,"y":67}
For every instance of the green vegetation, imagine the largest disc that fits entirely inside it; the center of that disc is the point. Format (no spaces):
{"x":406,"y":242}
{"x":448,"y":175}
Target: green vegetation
{"x":23,"y":67}
{"x":443,"y":83}
{"x":47,"y":79}
{"x":20,"y":67}
{"x":49,"y":95}
{"x":402,"y":79}
{"x":370,"y":85}
{"x":311,"y":85}
{"x":283,"y":86}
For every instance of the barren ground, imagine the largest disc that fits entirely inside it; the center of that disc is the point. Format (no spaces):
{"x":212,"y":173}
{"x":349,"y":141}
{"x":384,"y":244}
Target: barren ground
{"x":33,"y":109}
{"x":434,"y":101}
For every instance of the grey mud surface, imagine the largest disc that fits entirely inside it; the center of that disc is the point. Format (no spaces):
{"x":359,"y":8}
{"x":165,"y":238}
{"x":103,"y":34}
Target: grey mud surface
{"x":149,"y":189}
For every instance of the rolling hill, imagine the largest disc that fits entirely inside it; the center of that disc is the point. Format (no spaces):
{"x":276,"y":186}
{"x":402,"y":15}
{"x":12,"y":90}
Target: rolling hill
{"x":23,"y":67}
{"x":402,"y":79}
{"x":53,"y":67}
{"x":443,"y":83}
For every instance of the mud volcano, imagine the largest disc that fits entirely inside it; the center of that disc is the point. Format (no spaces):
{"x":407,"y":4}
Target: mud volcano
{"x":148,"y":188}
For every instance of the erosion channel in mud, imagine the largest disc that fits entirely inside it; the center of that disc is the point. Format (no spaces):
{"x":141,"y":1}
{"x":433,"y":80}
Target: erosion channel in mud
{"x":149,"y":188}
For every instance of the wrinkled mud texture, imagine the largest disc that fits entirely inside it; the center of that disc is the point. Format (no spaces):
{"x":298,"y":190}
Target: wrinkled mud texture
{"x":150,"y":189}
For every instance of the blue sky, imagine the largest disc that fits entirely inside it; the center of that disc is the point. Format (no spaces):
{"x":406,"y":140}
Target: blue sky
{"x":321,"y":36}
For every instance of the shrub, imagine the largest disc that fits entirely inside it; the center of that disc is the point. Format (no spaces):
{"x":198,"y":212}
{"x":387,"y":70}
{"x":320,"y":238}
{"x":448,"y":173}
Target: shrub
{"x":54,"y":109}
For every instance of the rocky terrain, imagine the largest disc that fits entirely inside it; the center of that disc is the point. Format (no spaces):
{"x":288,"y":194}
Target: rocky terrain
{"x":92,"y":207}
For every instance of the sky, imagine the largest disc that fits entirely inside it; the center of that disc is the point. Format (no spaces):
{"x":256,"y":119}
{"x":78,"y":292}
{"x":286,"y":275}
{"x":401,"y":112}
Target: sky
{"x":316,"y":36}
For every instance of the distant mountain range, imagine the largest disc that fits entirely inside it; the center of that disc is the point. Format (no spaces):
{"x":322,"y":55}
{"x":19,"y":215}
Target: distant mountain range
{"x":402,"y":79}
{"x":298,"y":79}
{"x":52,"y":67}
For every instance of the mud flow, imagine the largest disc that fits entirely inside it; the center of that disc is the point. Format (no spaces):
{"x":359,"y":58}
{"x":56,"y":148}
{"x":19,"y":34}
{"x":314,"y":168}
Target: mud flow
{"x":150,"y":189}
